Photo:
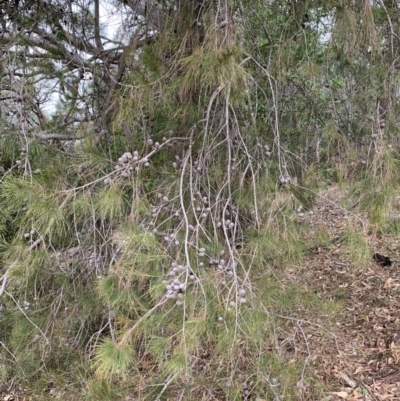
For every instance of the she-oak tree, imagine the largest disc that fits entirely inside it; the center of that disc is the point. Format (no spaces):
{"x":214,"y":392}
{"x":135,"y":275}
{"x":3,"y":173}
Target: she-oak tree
{"x":138,"y":214}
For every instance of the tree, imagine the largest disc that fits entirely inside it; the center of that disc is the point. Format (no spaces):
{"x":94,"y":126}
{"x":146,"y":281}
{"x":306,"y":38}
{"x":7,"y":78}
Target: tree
{"x":140,"y":214}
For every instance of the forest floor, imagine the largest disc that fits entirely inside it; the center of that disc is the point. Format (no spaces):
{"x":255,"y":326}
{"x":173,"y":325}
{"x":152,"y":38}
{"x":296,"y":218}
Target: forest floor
{"x":360,"y":358}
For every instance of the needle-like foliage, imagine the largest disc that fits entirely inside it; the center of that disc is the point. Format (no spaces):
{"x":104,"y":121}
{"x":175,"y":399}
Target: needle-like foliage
{"x":150,"y":225}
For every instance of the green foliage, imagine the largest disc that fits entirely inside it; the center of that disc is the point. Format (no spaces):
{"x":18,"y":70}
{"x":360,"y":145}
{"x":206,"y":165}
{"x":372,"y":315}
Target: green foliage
{"x":110,"y":203}
{"x":103,"y":391}
{"x":112,"y":359}
{"x":379,"y":185}
{"x":207,"y":69}
{"x":356,"y":245}
{"x":165,"y":275}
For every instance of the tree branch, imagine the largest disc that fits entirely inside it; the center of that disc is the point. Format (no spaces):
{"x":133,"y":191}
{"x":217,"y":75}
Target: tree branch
{"x":4,"y":283}
{"x":51,"y":135}
{"x":97,"y":38}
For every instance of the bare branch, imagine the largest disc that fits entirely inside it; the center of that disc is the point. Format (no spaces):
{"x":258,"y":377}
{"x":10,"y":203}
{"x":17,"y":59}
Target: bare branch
{"x":97,"y":25}
{"x":51,"y":135}
{"x":4,"y":283}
